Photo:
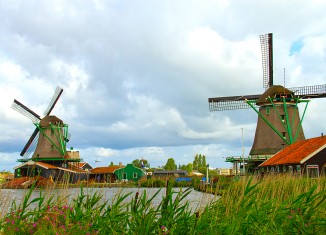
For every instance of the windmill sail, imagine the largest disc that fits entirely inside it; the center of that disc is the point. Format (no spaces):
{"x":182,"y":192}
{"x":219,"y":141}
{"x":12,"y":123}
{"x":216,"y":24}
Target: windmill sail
{"x":266,"y":42}
{"x":317,"y":91}
{"x":230,"y":102}
{"x":19,"y":107}
{"x":29,"y":142}
{"x":53,"y":101}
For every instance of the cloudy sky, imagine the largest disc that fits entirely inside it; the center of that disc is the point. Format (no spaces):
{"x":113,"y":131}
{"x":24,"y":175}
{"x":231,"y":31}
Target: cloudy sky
{"x":137,"y":74}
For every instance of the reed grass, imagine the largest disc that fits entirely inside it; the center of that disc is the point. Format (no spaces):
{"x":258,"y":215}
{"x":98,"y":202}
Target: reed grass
{"x":281,"y":204}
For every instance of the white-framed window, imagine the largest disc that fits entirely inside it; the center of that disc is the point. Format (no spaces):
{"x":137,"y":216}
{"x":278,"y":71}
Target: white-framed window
{"x":313,"y":171}
{"x":134,"y":175}
{"x":298,"y":168}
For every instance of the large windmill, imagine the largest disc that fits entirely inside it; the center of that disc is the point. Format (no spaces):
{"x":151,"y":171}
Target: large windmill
{"x":279,"y":122}
{"x":49,"y":139}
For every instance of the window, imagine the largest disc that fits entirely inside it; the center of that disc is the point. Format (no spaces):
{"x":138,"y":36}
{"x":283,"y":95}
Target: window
{"x":134,"y":175}
{"x":267,"y":110}
{"x":283,"y":118}
{"x":313,"y":171}
{"x":290,"y":169}
{"x":298,"y":168}
{"x":124,"y":175}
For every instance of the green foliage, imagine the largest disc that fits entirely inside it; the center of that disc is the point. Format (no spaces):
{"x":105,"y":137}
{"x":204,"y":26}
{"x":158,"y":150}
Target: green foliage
{"x":188,"y":167}
{"x":138,"y":163}
{"x":170,"y":164}
{"x":153,"y":183}
{"x":274,"y":205}
{"x":199,"y":163}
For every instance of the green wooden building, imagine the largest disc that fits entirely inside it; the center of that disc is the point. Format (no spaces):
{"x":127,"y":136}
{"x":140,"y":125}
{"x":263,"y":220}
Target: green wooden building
{"x":129,"y":173}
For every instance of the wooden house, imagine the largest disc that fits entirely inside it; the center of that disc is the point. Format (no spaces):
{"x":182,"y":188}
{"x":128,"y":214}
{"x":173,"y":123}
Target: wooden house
{"x":129,"y":173}
{"x":104,"y":174}
{"x":64,"y":173}
{"x":82,"y":165}
{"x":303,"y":157}
{"x":169,"y":173}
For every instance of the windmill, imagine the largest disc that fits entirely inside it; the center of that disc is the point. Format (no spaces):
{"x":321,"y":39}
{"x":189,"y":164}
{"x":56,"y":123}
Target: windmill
{"x":50,"y":135}
{"x":279,"y":122}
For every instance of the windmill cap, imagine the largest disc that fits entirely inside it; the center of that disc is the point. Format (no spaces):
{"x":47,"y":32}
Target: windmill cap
{"x":272,"y":92}
{"x":50,"y":119}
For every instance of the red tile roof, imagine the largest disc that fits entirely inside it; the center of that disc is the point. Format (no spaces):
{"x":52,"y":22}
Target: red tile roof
{"x":105,"y":169}
{"x":298,"y":152}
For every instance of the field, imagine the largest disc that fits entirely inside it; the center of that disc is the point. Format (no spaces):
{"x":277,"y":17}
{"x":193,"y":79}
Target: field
{"x":281,"y":204}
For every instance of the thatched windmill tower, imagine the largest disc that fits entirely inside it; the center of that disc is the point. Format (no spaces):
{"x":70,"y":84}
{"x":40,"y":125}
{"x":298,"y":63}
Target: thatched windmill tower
{"x":279,"y":122}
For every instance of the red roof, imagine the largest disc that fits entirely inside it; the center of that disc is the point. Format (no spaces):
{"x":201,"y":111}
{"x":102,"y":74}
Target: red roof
{"x":105,"y":169}
{"x":49,"y":166}
{"x":46,"y":165}
{"x":298,"y":152}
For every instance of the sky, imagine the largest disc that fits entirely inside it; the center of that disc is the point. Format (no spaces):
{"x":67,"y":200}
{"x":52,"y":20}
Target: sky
{"x":137,"y":75}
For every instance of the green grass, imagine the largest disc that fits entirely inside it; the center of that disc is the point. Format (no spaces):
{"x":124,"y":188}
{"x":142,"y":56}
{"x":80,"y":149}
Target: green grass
{"x":273,"y":205}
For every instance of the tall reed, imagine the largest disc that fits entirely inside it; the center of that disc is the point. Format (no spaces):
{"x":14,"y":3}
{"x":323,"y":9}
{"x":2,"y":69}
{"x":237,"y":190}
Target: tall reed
{"x":249,"y":205}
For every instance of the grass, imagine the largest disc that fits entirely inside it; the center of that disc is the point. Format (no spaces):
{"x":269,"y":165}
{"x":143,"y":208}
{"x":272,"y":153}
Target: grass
{"x":273,"y":205}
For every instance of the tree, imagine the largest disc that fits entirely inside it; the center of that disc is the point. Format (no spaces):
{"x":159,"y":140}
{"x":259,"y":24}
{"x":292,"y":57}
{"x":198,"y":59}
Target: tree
{"x":141,"y":163}
{"x":195,"y":162}
{"x":170,"y":164}
{"x":199,"y":163}
{"x":203,"y":162}
{"x":111,"y":164}
{"x":187,"y":167}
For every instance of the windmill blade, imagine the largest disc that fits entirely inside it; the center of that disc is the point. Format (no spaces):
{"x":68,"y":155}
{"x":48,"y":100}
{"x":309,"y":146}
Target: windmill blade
{"x":29,"y":142}
{"x":68,"y":137}
{"x":317,"y":91}
{"x":19,"y":107}
{"x":231,"y":102}
{"x":31,"y":148}
{"x":266,"y":42}
{"x":55,"y":98}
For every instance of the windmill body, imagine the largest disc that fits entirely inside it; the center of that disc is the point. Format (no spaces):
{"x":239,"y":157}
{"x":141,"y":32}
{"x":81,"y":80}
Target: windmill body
{"x":279,"y":122}
{"x":51,"y":141}
{"x":267,"y":142}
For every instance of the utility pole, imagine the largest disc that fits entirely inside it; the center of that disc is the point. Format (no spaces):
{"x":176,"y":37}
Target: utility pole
{"x":244,"y":169}
{"x":207,"y":179}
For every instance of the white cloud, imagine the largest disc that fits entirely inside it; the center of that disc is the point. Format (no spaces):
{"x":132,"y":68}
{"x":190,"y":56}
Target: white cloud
{"x":103,"y":152}
{"x":137,"y":75}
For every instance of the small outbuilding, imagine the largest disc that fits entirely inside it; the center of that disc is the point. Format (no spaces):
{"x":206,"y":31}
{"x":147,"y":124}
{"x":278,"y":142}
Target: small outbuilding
{"x":302,"y":157}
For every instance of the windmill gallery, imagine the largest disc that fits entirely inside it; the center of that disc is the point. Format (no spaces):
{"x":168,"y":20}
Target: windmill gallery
{"x":278,"y":127}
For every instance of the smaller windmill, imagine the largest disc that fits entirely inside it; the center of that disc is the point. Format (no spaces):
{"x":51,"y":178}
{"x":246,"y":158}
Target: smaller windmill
{"x":279,"y":122}
{"x":50,"y":135}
